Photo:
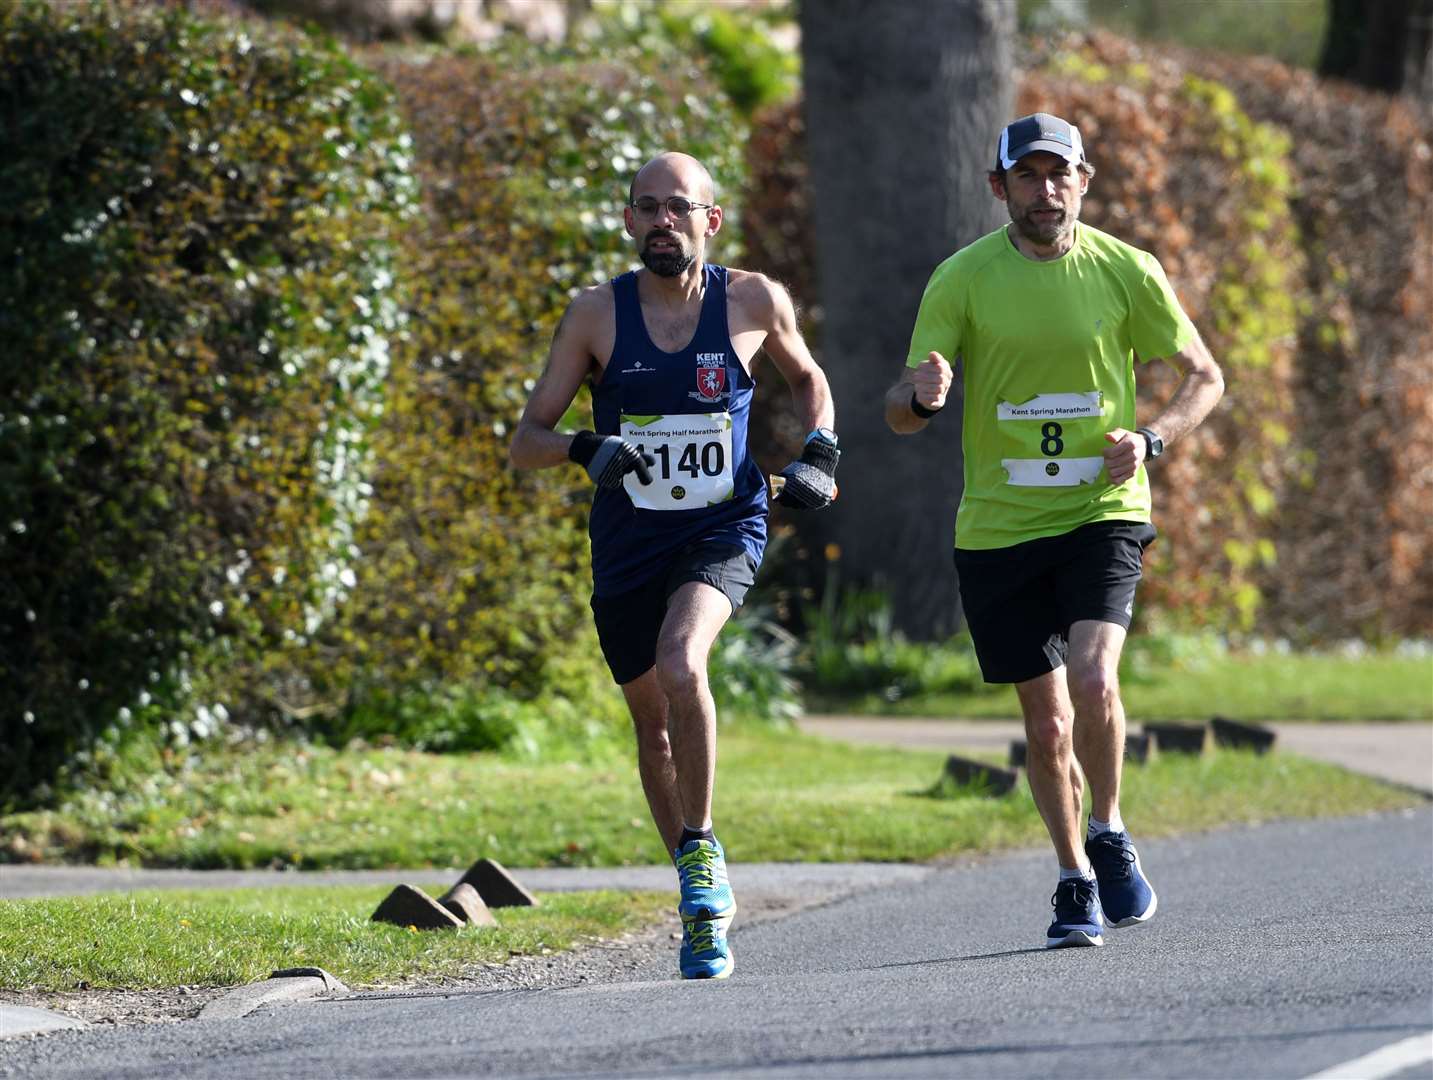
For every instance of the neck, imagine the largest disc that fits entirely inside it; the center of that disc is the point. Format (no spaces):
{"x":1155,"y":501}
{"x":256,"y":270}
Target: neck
{"x":688,"y":285}
{"x":1040,"y":252}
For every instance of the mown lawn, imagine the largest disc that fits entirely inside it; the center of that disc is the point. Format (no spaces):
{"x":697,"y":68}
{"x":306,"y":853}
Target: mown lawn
{"x":159,"y":938}
{"x":780,"y":796}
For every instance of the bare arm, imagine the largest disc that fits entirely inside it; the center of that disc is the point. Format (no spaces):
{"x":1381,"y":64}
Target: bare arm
{"x":770,"y":306}
{"x":928,"y":384}
{"x":1200,"y":387}
{"x":535,"y":443}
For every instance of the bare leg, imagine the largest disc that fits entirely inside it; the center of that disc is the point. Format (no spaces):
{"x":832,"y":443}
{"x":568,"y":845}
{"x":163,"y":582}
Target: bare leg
{"x":1099,"y":714}
{"x":1050,"y":762}
{"x":696,"y":613}
{"x":648,"y":706}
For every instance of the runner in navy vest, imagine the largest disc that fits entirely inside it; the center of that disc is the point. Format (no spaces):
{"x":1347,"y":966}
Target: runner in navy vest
{"x":678,"y":521}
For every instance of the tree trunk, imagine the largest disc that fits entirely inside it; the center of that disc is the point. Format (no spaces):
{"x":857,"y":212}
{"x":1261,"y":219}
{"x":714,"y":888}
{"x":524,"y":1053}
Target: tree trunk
{"x":904,"y":104}
{"x":1383,"y":44}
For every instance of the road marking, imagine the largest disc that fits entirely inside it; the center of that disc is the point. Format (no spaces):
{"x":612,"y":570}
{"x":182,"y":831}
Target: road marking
{"x":1388,"y":1061}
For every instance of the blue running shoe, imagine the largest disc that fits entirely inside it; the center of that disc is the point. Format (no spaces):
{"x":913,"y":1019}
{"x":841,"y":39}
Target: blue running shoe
{"x":1078,"y":918}
{"x":706,"y":893}
{"x":1127,"y":896}
{"x":705,"y":953}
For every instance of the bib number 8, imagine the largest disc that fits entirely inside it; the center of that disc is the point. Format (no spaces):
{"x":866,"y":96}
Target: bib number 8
{"x":1052,"y":445}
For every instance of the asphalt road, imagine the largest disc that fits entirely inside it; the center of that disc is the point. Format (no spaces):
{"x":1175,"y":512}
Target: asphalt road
{"x":1278,"y":951}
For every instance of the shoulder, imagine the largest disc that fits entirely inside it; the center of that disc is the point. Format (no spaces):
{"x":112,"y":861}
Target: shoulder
{"x":957,"y":271}
{"x":758,"y":297}
{"x":591,"y":307}
{"x":1115,"y":252}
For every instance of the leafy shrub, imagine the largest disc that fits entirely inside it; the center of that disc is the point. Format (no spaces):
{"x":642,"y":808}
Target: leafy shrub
{"x":195,"y":294}
{"x":751,"y":670}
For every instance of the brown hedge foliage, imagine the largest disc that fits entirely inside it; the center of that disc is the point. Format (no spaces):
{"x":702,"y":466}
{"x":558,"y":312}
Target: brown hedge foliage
{"x":1294,"y":218}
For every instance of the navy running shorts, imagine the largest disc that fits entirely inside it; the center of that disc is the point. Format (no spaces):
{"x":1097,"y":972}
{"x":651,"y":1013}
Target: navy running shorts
{"x":628,"y":624}
{"x":1020,"y":601}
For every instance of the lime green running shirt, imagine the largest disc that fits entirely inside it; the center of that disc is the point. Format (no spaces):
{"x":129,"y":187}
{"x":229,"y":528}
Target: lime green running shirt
{"x":1049,"y":352}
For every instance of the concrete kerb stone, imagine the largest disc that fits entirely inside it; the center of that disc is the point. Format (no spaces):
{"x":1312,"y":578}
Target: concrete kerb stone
{"x":994,"y":780}
{"x":280,"y":986}
{"x":17,"y":1020}
{"x":496,"y":885}
{"x":464,"y":902}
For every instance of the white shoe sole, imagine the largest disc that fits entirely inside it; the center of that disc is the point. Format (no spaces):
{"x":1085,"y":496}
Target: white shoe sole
{"x":1137,"y":920}
{"x":1074,"y":939}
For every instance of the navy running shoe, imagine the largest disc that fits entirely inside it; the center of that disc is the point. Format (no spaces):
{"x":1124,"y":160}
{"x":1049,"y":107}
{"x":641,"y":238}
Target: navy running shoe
{"x":705,"y":953}
{"x":706,"y":893}
{"x":1126,"y":894}
{"x":1078,"y":918}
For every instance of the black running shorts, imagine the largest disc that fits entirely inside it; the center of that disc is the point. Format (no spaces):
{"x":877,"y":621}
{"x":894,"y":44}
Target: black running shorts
{"x":628,"y":623}
{"x":1020,"y":601}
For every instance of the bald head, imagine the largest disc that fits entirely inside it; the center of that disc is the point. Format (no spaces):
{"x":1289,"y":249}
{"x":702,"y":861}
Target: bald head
{"x":672,"y":173}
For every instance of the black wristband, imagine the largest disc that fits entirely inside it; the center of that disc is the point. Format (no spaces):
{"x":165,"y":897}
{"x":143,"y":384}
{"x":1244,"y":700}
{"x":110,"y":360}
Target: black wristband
{"x":920,"y":410}
{"x":584,"y":444}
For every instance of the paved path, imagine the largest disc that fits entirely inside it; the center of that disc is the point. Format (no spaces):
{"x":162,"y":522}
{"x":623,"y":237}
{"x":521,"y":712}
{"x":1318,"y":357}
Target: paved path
{"x":1255,"y":966}
{"x":1400,"y":753}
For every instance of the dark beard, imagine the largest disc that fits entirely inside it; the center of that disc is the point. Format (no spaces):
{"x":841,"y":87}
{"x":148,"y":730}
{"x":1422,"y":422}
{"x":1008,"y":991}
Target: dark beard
{"x":667,"y":263}
{"x":1047,"y":234}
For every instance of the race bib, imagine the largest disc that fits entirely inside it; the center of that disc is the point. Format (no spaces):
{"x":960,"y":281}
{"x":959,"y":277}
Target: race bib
{"x":693,"y":460}
{"x":1053,"y":425}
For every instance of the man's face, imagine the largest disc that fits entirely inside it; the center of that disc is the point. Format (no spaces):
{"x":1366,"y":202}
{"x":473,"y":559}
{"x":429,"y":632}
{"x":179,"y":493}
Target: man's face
{"x":667,"y":244}
{"x":1042,"y":191}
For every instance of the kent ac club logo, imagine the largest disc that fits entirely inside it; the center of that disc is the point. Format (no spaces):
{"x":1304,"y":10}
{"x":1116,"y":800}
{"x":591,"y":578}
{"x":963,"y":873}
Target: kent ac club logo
{"x":711,"y":376}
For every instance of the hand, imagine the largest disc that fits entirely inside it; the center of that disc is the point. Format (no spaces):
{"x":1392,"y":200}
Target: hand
{"x":811,"y":478}
{"x":608,"y":459}
{"x":931,"y":380}
{"x":1124,"y":454}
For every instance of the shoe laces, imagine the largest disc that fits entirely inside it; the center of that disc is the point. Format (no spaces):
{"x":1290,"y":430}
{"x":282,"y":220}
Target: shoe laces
{"x":697,"y":867}
{"x":1077,"y":893}
{"x":702,"y":936}
{"x":1114,"y":855}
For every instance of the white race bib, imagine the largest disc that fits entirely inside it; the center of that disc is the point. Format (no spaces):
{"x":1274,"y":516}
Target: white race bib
{"x":693,"y":467}
{"x":1049,"y":423}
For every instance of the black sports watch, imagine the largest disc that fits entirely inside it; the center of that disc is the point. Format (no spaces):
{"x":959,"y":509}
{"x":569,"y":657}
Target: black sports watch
{"x":1153,"y":444}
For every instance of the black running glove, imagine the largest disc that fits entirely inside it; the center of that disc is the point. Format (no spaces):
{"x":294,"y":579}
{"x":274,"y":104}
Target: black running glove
{"x":608,"y":458}
{"x":811,"y":478}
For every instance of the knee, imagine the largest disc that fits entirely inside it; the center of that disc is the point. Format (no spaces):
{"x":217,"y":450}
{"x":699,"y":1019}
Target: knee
{"x":1095,"y":690}
{"x":652,"y":740}
{"x":679,"y":671}
{"x":1048,"y":736}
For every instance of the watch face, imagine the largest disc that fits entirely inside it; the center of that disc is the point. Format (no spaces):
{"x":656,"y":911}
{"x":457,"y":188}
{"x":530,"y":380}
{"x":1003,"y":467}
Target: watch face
{"x":824,"y":432}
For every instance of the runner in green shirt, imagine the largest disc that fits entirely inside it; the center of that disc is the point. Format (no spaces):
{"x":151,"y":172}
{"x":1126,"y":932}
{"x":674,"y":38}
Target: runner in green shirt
{"x":1048,"y":317}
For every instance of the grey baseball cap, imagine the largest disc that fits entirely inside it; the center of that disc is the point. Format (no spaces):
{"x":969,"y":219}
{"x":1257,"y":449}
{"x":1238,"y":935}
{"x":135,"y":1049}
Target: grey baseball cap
{"x":1040,"y":131}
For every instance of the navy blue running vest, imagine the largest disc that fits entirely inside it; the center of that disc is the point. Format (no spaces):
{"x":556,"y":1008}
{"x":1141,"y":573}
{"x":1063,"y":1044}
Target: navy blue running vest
{"x":706,"y":487}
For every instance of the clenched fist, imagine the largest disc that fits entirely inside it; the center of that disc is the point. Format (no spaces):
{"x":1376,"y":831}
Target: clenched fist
{"x":931,"y":381}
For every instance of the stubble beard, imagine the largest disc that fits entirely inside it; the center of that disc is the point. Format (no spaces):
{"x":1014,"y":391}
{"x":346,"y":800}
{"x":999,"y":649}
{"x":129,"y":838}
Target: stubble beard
{"x":1047,"y":234}
{"x":668,"y":264}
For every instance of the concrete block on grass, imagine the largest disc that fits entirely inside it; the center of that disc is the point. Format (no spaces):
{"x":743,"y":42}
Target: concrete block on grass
{"x":1180,"y":738}
{"x":410,"y":906}
{"x":496,"y":886}
{"x":1139,"y":748}
{"x":1240,"y":736}
{"x":966,"y":773}
{"x":464,"y":902}
{"x":1017,"y":753}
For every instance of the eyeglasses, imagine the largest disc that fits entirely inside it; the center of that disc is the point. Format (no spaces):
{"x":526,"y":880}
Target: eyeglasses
{"x":678,"y":207}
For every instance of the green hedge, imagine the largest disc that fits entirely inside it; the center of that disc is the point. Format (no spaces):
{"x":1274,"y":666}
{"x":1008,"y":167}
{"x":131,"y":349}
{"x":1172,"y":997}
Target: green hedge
{"x":195,"y":299}
{"x":472,"y":574}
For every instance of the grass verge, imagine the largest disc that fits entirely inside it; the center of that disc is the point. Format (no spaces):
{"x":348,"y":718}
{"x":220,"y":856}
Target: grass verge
{"x":1243,"y":686}
{"x":780,"y":797}
{"x":160,"y":938}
